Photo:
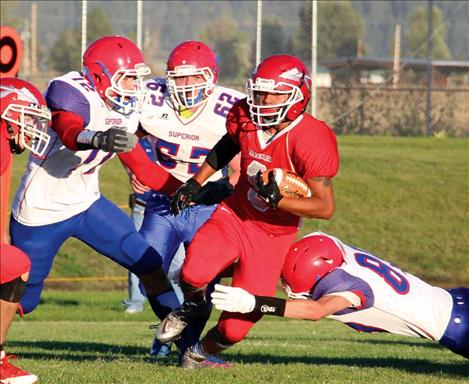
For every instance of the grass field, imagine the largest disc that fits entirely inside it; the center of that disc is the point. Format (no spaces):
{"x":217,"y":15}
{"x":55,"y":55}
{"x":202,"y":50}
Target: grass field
{"x":405,"y":199}
{"x":85,"y":337}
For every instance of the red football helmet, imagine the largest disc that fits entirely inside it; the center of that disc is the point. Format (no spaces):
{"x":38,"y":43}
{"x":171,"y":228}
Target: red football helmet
{"x":23,"y":110}
{"x":279,"y":74}
{"x":191,"y":58}
{"x":112,"y":62}
{"x":308,"y":261}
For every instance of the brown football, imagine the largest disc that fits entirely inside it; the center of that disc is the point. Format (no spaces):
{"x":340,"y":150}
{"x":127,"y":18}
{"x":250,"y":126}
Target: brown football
{"x":289,"y":183}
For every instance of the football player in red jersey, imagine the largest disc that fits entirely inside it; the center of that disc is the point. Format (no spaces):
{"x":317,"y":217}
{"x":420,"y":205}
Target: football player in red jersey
{"x":24,"y":122}
{"x":256,"y":225}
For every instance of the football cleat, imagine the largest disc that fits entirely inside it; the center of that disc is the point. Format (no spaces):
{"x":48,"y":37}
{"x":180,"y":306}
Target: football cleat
{"x":194,"y":360}
{"x":134,"y":308}
{"x":172,"y":326}
{"x":160,"y":350}
{"x":10,"y":374}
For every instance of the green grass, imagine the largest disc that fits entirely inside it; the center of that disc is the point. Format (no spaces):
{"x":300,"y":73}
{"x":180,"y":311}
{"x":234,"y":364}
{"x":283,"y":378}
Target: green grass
{"x":405,"y":199}
{"x":85,"y":337}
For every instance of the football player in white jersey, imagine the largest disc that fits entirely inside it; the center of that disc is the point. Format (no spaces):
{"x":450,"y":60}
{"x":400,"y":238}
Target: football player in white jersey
{"x":94,"y":116}
{"x":185,"y":118}
{"x":327,"y":278}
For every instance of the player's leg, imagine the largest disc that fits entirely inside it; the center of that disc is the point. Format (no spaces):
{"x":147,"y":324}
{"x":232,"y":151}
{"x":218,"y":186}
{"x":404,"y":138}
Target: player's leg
{"x":14,"y":273}
{"x":167,"y":233}
{"x":214,"y":247}
{"x":456,"y":336}
{"x":257,"y":270}
{"x":108,"y":230}
{"x":41,"y":244}
{"x":136,"y":300}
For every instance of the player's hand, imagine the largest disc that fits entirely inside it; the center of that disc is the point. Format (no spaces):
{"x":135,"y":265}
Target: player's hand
{"x":270,"y":191}
{"x":232,"y":299}
{"x":115,"y":139}
{"x":214,"y":192}
{"x":137,"y":186}
{"x":184,"y":195}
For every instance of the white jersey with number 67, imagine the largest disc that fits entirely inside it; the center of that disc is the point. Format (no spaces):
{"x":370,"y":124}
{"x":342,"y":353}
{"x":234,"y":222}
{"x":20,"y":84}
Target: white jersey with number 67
{"x":181,"y":145}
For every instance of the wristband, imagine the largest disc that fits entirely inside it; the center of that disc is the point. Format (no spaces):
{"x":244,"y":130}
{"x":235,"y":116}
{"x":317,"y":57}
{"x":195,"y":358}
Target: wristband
{"x":269,"y":306}
{"x":85,"y":137}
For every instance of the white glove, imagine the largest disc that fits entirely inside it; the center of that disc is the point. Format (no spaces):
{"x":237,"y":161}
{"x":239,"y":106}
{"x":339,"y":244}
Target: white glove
{"x":232,"y":299}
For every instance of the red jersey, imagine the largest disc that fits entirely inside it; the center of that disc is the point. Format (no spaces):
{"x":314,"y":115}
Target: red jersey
{"x":307,"y":147}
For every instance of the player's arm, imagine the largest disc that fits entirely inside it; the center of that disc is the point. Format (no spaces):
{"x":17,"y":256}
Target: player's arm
{"x":233,"y":299}
{"x":220,"y":155}
{"x":148,"y":172}
{"x":69,"y":128}
{"x":235,"y":169}
{"x":71,"y":114}
{"x":314,"y":309}
{"x":321,"y":205}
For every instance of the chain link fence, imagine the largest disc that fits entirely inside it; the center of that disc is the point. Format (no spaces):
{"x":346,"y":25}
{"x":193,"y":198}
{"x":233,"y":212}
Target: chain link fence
{"x":373,"y":56}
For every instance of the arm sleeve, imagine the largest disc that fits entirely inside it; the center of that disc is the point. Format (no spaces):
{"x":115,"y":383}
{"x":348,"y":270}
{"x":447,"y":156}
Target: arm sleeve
{"x":223,"y":152}
{"x":148,"y":172}
{"x":340,"y":283}
{"x":68,"y":125}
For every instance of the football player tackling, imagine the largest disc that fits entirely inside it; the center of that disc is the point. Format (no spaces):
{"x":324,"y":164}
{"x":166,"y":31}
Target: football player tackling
{"x":256,"y":225}
{"x":327,"y":278}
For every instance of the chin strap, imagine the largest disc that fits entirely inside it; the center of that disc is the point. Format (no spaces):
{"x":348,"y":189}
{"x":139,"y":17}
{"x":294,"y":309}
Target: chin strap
{"x":14,"y":147}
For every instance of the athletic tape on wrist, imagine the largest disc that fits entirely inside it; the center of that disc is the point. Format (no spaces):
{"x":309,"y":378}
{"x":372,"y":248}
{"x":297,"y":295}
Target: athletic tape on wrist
{"x":85,"y":137}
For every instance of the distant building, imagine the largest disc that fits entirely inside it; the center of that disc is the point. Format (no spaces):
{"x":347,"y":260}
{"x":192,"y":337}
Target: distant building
{"x":361,"y":70}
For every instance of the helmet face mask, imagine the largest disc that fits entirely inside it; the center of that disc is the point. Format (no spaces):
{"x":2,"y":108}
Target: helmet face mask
{"x":270,"y":115}
{"x":278,"y":74}
{"x":115,"y":67}
{"x":191,"y":59}
{"x":26,"y":116}
{"x":127,"y":92}
{"x":190,"y":95}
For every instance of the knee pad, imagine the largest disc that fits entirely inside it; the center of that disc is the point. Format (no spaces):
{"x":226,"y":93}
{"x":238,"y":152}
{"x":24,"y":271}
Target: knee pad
{"x":149,"y":262}
{"x":13,"y":290}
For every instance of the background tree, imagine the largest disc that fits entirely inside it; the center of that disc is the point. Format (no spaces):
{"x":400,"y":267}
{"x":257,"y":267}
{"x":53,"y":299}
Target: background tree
{"x":417,"y":30}
{"x":7,"y":17}
{"x":340,"y":27}
{"x":273,"y":37}
{"x":65,"y":56}
{"x":230,"y":45}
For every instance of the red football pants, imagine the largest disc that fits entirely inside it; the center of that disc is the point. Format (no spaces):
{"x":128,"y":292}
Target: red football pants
{"x":260,"y":255}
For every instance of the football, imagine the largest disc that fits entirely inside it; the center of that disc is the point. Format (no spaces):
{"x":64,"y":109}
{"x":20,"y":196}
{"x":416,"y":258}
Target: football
{"x":289,"y":183}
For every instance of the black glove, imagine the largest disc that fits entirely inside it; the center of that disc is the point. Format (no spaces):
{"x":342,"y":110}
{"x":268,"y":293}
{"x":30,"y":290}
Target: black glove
{"x":214,"y":192}
{"x":115,"y":139}
{"x":183,"y":196}
{"x":270,"y":191}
